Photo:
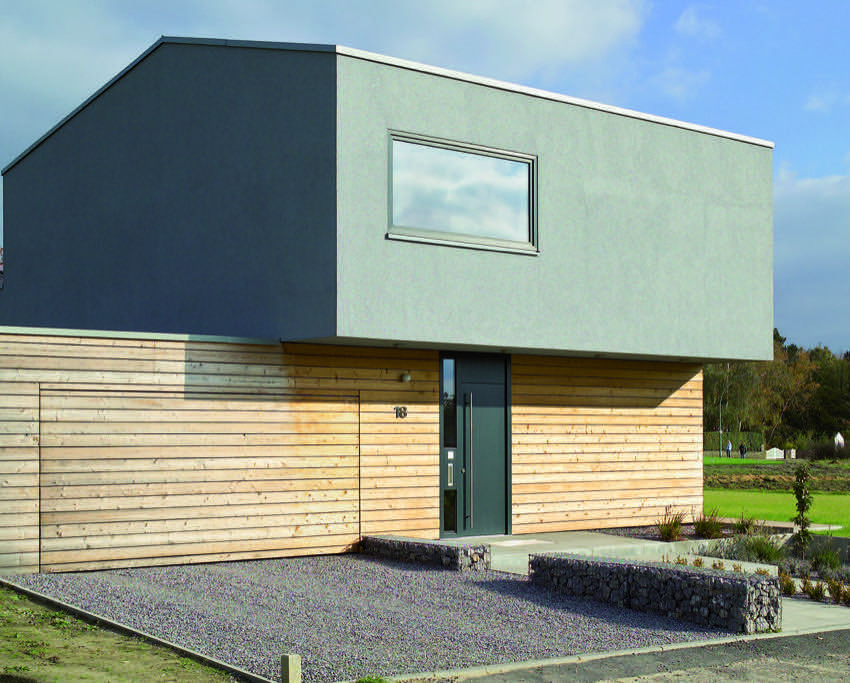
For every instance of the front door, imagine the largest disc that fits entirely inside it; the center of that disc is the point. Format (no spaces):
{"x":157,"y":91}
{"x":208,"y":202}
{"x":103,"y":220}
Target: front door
{"x":474,"y":454}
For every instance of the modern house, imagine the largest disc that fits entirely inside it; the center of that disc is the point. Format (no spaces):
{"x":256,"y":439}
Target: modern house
{"x":263,"y":299}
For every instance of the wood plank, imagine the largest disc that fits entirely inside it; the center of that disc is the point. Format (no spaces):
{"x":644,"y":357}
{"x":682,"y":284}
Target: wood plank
{"x":283,"y":482}
{"x":294,"y":496}
{"x":50,"y":560}
{"x":171,"y":440}
{"x":231,"y":513}
{"x":72,"y":473}
{"x":198,"y":558}
{"x":612,"y":495}
{"x":134,"y":528}
{"x":18,"y":532}
{"x":130,"y":543}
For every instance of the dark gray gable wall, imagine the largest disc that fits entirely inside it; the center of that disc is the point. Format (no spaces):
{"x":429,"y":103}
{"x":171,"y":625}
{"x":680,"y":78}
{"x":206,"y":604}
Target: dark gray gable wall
{"x":196,"y":194}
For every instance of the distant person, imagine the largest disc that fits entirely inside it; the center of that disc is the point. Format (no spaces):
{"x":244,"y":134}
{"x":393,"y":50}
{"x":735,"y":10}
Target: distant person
{"x":839,"y":442}
{"x":728,"y":449}
{"x":742,"y":449}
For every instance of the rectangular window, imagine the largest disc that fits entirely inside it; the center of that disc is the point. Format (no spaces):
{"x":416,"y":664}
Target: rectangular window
{"x":459,"y":194}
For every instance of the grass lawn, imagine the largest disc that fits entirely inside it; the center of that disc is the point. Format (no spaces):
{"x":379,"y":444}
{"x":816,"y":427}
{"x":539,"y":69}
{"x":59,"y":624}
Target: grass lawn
{"x":827,"y":508}
{"x":735,"y":460}
{"x":43,"y":645}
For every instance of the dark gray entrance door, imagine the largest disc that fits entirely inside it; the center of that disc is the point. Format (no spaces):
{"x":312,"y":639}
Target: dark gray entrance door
{"x":479,"y":463}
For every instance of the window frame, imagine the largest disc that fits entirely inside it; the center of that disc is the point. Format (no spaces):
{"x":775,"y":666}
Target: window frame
{"x":456,"y":239}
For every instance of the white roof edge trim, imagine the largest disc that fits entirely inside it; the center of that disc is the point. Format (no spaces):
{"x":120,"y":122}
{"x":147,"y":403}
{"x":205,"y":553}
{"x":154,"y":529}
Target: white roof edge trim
{"x":545,"y":94}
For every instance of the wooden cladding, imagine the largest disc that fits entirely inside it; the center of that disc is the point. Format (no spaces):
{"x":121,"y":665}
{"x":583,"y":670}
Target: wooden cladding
{"x":120,"y":452}
{"x":603,"y":443}
{"x":155,"y":452}
{"x":163,"y":476}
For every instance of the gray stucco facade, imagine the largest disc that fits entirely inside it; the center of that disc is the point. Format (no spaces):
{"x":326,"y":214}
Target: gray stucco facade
{"x":241,"y":189}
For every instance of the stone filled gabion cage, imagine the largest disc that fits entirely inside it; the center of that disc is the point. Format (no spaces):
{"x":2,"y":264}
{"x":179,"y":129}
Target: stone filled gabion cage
{"x":464,"y":558}
{"x":743,"y":603}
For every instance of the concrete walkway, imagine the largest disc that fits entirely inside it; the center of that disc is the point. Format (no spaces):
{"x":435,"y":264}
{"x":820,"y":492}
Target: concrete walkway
{"x":510,"y":554}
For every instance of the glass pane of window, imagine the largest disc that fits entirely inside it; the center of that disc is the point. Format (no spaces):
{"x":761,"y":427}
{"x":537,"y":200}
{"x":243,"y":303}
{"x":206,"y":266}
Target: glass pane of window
{"x":449,"y":404}
{"x":459,"y":192}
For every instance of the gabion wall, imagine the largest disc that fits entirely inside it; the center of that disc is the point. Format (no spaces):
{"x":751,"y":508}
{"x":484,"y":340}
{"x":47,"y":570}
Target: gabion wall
{"x":462,"y":558}
{"x":744,"y":603}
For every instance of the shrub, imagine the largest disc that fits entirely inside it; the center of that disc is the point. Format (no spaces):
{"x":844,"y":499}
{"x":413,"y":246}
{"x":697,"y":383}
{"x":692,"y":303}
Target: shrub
{"x":737,"y":568}
{"x":670,"y":524}
{"x":681,"y":560}
{"x":698,"y":562}
{"x":845,"y":596}
{"x":744,"y":525}
{"x":836,"y":590}
{"x":786,"y":584}
{"x":708,"y":525}
{"x":825,"y":574}
{"x":761,"y":571}
{"x":825,"y":557}
{"x":755,"y":548}
{"x":718,"y":564}
{"x":764,"y":548}
{"x":816,"y":591}
{"x":822,"y":450}
{"x":802,"y":537}
{"x":796,"y":567}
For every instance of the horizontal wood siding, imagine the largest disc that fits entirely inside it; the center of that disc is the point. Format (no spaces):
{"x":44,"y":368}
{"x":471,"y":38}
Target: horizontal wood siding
{"x":18,"y":475}
{"x":603,"y":443}
{"x":159,"y":452}
{"x":168,"y":477}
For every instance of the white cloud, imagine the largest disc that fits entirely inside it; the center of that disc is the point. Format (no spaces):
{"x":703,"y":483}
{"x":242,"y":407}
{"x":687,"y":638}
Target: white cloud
{"x":692,"y":25}
{"x":507,"y":39}
{"x":679,"y":83}
{"x":812,"y":259}
{"x":825,"y":100}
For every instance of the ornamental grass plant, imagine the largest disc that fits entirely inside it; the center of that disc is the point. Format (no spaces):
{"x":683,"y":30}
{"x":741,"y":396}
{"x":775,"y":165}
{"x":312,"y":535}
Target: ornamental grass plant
{"x":670,"y":525}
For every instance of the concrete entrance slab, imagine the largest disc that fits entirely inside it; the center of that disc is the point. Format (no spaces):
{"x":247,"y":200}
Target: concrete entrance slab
{"x":510,"y":553}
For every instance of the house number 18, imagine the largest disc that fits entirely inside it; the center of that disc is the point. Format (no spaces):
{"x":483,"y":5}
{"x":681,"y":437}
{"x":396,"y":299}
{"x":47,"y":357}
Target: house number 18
{"x":400,"y":412}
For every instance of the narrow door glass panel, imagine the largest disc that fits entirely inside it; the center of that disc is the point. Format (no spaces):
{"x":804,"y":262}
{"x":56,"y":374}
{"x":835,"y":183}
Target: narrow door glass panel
{"x":459,"y":192}
{"x":450,"y":510}
{"x":449,"y":404}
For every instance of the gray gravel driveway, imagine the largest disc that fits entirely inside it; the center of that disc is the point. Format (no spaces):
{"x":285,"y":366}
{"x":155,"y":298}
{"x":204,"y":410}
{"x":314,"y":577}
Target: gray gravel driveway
{"x":349,"y":615}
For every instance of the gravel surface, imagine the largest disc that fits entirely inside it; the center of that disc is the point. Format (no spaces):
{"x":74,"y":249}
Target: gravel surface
{"x":649,"y":533}
{"x":350,"y":616}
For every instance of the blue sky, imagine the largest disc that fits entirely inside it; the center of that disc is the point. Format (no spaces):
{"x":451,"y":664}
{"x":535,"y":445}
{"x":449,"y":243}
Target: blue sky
{"x":771,"y":69}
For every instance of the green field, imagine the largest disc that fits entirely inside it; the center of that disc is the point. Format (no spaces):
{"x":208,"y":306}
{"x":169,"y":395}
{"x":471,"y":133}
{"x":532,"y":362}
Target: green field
{"x":827,"y":508}
{"x":735,"y":461}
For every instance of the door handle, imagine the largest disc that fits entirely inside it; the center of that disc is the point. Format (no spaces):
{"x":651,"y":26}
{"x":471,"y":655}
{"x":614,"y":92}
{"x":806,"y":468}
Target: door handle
{"x":471,"y":467}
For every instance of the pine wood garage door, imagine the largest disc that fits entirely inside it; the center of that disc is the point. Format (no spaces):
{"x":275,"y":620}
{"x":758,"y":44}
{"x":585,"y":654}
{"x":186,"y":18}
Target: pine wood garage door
{"x":157,"y":477}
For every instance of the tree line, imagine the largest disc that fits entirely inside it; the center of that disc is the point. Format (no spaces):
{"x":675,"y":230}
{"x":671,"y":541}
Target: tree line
{"x":798,"y":400}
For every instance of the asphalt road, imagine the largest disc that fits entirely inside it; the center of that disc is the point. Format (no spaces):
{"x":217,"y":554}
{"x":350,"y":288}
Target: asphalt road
{"x":810,"y":658}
